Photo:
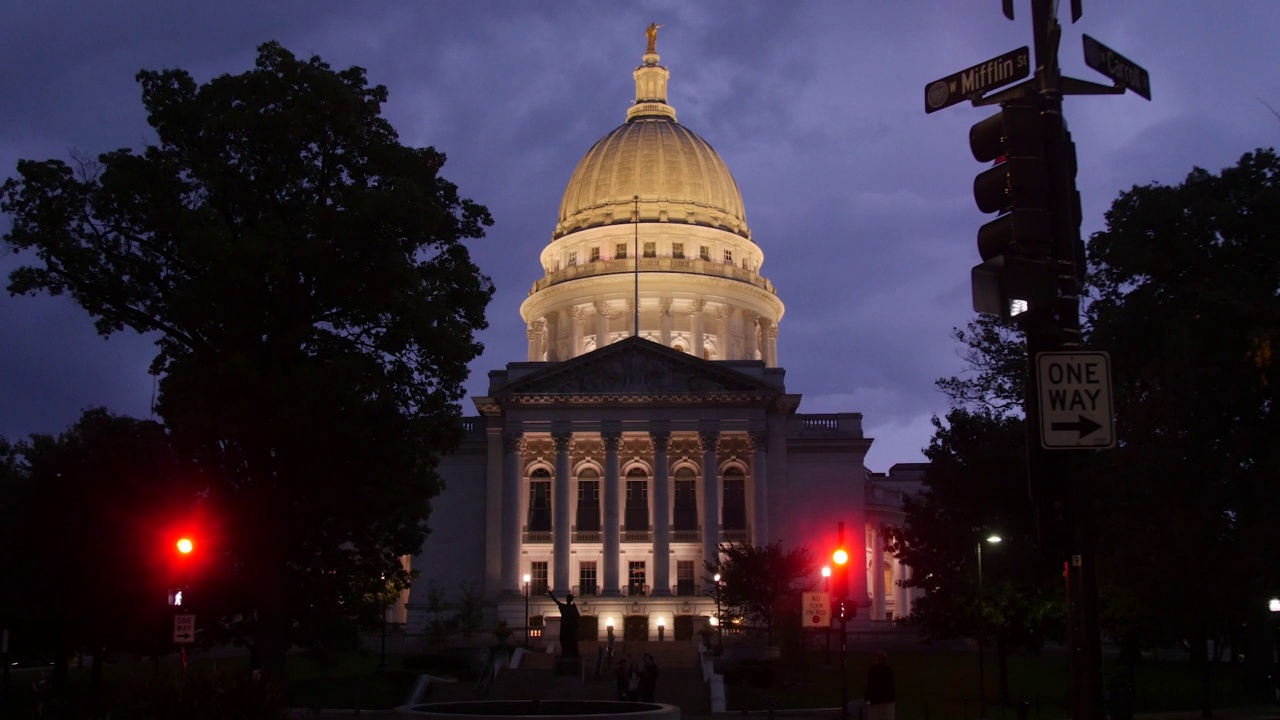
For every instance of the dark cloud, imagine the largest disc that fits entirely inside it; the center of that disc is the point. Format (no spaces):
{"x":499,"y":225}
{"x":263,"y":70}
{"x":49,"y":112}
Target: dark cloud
{"x":859,"y":200}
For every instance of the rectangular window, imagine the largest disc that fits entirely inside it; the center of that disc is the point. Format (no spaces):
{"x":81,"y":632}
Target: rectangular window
{"x":573,"y":258}
{"x":588,"y":506}
{"x":635,"y":578}
{"x":684,"y":512}
{"x":620,"y":252}
{"x":539,"y":506}
{"x":735,"y":504}
{"x":728,"y":257}
{"x":684,"y":578}
{"x":677,"y":251}
{"x":650,"y":249}
{"x":704,"y":252}
{"x":637,"y":512}
{"x":537,"y":578}
{"x":595,"y":254}
{"x":587,"y":578}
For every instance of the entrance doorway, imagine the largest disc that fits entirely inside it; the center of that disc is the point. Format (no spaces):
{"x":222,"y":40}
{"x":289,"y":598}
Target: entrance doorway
{"x":684,"y":627}
{"x":588,"y":628}
{"x":635,"y":628}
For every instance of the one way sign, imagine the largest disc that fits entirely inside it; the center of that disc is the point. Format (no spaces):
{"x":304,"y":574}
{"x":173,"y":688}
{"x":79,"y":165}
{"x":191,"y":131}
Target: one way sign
{"x":1075,"y":400}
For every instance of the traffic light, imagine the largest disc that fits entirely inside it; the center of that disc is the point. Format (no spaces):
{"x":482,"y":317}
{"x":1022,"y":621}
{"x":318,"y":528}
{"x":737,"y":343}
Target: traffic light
{"x":1016,"y":247}
{"x":840,"y":572}
{"x":844,"y":608}
{"x":185,"y":545}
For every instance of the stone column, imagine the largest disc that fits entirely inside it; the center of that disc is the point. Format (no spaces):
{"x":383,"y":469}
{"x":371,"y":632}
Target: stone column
{"x":612,"y":436}
{"x":575,"y":331}
{"x":511,"y":442}
{"x":758,"y":442}
{"x":709,"y":440}
{"x":602,"y":323}
{"x":877,"y":573}
{"x":695,"y":320}
{"x":531,"y":333}
{"x":771,"y":345}
{"x":901,"y":607}
{"x":725,"y":314}
{"x":752,"y":332}
{"x":661,"y":438}
{"x":560,"y":519}
{"x":664,"y":321}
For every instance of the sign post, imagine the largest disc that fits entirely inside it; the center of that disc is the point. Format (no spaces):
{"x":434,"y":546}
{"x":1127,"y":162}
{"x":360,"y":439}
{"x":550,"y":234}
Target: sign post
{"x":184,"y":634}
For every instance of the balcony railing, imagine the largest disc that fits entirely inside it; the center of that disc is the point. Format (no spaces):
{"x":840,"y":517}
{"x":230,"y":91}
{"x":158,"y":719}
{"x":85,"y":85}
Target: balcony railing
{"x":537,"y":537}
{"x":635,"y":590}
{"x":661,"y":264}
{"x":686,"y":590}
{"x":686,"y":536}
{"x":586,"y":590}
{"x":737,"y":536}
{"x":586,"y":536}
{"x":637,"y":536}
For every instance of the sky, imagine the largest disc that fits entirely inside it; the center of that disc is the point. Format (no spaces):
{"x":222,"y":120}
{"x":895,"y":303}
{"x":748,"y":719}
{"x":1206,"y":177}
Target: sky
{"x":860,"y":201}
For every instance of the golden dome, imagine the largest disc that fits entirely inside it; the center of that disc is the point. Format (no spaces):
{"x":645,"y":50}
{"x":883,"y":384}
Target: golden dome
{"x":676,"y":175}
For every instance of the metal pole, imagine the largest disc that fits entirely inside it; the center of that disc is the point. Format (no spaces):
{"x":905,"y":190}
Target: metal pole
{"x":526,"y":615}
{"x":636,"y":200}
{"x":982,"y":644}
{"x":844,"y":665}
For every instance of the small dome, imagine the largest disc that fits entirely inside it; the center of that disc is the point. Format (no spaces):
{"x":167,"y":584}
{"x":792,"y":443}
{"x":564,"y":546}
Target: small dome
{"x":676,"y":175}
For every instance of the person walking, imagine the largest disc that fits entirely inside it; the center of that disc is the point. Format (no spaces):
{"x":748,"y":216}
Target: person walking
{"x":881,"y":696}
{"x":648,"y":679}
{"x":623,"y":679}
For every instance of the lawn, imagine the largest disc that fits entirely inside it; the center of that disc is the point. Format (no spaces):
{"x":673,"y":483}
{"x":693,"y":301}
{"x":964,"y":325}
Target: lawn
{"x":941,"y":684}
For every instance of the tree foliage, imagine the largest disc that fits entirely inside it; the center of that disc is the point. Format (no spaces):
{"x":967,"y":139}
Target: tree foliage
{"x":87,"y":521}
{"x":314,"y":307}
{"x":762,"y":583}
{"x":1184,"y":283}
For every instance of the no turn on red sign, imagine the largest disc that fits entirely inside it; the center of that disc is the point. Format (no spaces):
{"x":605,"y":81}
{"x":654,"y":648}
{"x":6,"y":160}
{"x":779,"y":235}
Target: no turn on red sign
{"x":816,"y":609}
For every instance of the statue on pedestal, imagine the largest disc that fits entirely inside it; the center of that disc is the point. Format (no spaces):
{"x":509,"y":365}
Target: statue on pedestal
{"x":568,"y":625}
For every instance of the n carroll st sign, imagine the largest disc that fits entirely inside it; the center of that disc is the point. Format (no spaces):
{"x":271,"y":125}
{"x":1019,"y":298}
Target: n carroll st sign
{"x":1075,"y":400}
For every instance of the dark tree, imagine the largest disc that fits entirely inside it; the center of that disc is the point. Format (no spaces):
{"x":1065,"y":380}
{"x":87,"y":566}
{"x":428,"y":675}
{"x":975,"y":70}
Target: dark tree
{"x":1185,"y":282}
{"x":87,"y":521}
{"x":762,"y":584}
{"x":976,"y":486}
{"x":315,"y":310}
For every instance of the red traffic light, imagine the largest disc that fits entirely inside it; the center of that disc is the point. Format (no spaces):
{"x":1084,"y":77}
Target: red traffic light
{"x":840,"y":556}
{"x":185,"y":546}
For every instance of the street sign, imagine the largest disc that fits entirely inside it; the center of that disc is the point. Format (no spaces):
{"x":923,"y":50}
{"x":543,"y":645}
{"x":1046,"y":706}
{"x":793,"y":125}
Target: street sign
{"x":184,"y":629}
{"x":973,"y":82}
{"x":1124,"y":71}
{"x":1075,"y":400}
{"x":816,"y":609}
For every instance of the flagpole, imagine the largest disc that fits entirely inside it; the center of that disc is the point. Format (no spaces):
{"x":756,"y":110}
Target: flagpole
{"x":636,"y":326}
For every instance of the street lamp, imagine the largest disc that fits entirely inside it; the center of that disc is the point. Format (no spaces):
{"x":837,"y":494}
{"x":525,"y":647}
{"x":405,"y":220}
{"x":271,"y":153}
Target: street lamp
{"x":719,"y":617}
{"x":982,"y":635}
{"x":527,"y":578}
{"x":662,"y":627}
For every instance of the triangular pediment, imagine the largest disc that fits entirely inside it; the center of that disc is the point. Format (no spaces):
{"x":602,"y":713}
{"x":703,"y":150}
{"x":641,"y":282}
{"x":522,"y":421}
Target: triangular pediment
{"x":637,"y":368}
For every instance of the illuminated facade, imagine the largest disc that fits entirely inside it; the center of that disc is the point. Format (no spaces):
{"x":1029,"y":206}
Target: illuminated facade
{"x":650,"y":420}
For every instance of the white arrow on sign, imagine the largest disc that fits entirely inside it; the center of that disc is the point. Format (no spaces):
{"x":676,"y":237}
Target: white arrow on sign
{"x":1075,"y":400}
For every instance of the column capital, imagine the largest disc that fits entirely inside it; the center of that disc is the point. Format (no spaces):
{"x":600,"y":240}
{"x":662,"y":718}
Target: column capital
{"x":563,"y":440}
{"x":708,"y":440}
{"x":757,"y":440}
{"x":696,"y":306}
{"x":512,"y":440}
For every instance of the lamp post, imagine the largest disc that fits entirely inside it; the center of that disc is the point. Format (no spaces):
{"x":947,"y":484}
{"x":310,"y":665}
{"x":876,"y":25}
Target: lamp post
{"x":719,"y":618}
{"x":982,"y":635}
{"x":662,"y":628}
{"x":527,"y":578}
{"x":826,"y":579}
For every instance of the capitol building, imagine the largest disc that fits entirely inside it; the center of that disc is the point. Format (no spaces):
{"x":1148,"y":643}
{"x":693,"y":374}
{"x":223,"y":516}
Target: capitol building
{"x":650,"y":421}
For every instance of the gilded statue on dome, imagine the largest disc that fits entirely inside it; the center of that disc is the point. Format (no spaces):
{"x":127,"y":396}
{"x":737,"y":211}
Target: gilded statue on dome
{"x":652,"y":33}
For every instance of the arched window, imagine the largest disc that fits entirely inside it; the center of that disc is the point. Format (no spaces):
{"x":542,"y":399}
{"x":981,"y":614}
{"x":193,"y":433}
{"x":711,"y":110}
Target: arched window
{"x":540,"y":501}
{"x":637,"y":510}
{"x":588,"y":500}
{"x":684,"y":510}
{"x":734,"y":507}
